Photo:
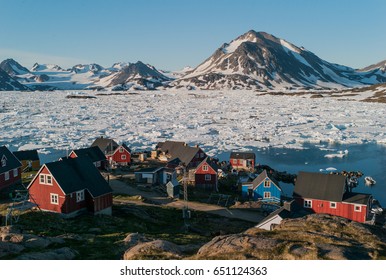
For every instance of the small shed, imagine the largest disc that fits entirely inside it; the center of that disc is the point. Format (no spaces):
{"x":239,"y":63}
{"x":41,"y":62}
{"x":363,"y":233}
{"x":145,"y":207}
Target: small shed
{"x":152,"y":175}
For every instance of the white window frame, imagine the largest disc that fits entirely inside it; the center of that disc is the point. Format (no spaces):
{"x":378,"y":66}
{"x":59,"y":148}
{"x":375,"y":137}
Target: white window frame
{"x":208,"y":177}
{"x":123,"y":157}
{"x":121,"y":150}
{"x":49,"y":178}
{"x":3,"y":161}
{"x":42,"y":179}
{"x":267,"y":184}
{"x":54,"y":198}
{"x":267,"y":195}
{"x":6,"y":176}
{"x":98,"y":164}
{"x":357,"y":208}
{"x":333,"y":205}
{"x":205,"y":167}
{"x":80,"y":196}
{"x":15,"y":173}
{"x":307,"y":203}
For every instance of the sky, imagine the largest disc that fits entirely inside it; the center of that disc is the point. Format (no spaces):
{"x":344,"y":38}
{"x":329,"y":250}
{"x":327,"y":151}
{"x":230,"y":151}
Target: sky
{"x":172,"y":34}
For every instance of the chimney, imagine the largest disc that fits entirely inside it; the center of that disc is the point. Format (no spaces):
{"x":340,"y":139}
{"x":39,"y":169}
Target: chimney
{"x":288,"y":205}
{"x":196,"y":146}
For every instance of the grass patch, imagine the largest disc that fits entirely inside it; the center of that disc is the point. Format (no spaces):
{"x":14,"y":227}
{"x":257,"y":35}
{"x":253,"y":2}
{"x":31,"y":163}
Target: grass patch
{"x":101,"y":237}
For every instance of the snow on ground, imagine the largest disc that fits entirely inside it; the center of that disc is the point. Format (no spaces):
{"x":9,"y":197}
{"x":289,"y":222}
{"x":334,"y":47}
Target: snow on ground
{"x":216,"y":120}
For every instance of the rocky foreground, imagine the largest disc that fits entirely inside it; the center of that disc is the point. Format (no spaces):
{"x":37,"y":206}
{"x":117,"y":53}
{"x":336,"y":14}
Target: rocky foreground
{"x":309,"y":238}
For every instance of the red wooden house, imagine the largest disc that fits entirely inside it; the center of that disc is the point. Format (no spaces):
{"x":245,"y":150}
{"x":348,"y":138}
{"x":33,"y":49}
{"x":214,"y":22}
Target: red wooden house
{"x":328,"y":194}
{"x":71,"y":186}
{"x":242,"y":160}
{"x":120,"y":156}
{"x":206,"y":176}
{"x":93,"y":153}
{"x":10,"y":169}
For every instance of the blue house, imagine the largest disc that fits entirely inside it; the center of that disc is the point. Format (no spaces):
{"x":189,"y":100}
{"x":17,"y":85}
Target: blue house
{"x":262,"y":188}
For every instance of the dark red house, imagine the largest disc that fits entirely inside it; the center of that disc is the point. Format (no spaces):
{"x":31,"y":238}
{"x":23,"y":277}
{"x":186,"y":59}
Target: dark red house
{"x":94,"y":154}
{"x":243,"y":160}
{"x":120,"y":156}
{"x":10,"y":169}
{"x":328,"y":194}
{"x":206,"y":176}
{"x":71,"y":186}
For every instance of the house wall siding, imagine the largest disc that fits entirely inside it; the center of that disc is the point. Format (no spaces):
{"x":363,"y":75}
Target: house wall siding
{"x":199,"y":177}
{"x":117,"y":157}
{"x":344,"y":210}
{"x":12,"y":179}
{"x":35,"y":164}
{"x":41,"y":194}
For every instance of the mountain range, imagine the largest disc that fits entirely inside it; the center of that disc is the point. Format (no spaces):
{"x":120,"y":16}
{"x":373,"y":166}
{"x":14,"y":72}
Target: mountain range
{"x":254,"y":60}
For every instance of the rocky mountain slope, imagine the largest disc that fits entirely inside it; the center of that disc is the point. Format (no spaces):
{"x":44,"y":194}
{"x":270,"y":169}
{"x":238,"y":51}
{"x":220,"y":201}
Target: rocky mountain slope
{"x":254,"y":60}
{"x":7,"y":83}
{"x":258,"y":60}
{"x":121,"y":76}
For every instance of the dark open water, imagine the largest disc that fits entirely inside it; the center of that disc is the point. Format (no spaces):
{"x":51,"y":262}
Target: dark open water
{"x":370,"y":159}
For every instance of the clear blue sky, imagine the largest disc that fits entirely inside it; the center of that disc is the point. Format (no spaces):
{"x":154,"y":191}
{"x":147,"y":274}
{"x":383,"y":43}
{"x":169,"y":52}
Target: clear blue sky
{"x":171,"y":34}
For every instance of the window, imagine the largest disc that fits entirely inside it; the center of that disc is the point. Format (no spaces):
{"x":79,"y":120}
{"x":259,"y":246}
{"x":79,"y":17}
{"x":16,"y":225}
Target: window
{"x":15,"y":173}
{"x":267,"y":184}
{"x":42,"y":179}
{"x":234,"y":161}
{"x":267,"y":194}
{"x":208,"y":177}
{"x":121,"y":149}
{"x":357,"y":208}
{"x":48,"y":179}
{"x":80,"y":196}
{"x":54,"y":198}
{"x":333,"y":205}
{"x":98,"y":164}
{"x":123,"y":157}
{"x":307,"y":203}
{"x":3,"y":161}
{"x":205,"y":168}
{"x":6,"y":176}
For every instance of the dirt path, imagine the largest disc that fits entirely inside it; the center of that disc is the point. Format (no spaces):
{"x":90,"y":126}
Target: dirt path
{"x":155,"y":198}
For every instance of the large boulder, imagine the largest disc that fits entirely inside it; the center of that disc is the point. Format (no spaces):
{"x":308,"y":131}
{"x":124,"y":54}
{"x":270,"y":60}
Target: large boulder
{"x":156,"y":249}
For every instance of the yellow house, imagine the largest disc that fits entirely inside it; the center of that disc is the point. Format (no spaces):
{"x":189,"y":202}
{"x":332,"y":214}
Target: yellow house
{"x":29,"y":159}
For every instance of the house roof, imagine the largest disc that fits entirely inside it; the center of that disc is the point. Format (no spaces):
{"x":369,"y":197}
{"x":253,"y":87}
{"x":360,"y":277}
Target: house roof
{"x":242,"y":155}
{"x":27,"y":155}
{"x":124,"y":146}
{"x":149,"y":170}
{"x":106,"y":145}
{"x":93,"y":153}
{"x":11,"y":161}
{"x":329,"y":187}
{"x":357,"y":198}
{"x":257,"y":181}
{"x":179,"y":150}
{"x":288,"y":210}
{"x":75,"y":174}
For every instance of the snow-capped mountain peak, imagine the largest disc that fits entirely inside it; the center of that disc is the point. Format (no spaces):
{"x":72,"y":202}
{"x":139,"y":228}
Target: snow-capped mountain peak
{"x":258,"y":60}
{"x":13,"y":68}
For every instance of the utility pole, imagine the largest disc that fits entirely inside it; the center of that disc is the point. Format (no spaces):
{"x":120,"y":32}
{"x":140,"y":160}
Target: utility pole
{"x":185,"y":210}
